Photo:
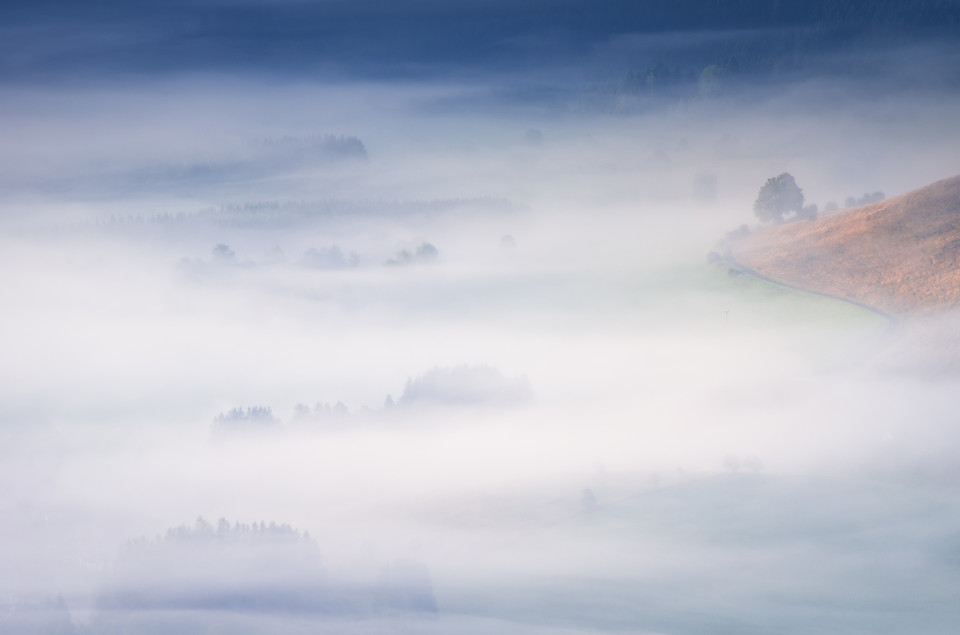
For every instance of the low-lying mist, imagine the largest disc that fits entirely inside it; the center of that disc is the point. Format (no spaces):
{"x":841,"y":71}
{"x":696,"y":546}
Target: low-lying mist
{"x":294,"y":356}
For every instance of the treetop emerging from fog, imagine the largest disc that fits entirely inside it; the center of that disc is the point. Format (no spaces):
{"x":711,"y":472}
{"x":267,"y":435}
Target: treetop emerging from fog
{"x":780,"y":197}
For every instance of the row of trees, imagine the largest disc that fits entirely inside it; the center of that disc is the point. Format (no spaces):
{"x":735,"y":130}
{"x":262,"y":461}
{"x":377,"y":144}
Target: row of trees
{"x":203,"y":531}
{"x":331,"y":257}
{"x":252,"y":570}
{"x":424,"y":253}
{"x":781,"y":199}
{"x":325,"y":258}
{"x":239,"y":419}
{"x":465,"y":385}
{"x":320,"y":145}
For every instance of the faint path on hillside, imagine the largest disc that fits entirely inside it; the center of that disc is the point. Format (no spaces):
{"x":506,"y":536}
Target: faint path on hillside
{"x":892,"y":320}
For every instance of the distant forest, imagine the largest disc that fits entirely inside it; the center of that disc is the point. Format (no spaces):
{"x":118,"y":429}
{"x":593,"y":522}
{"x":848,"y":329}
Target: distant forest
{"x":608,"y":16}
{"x":657,"y":15}
{"x":288,"y":213}
{"x":378,"y":37}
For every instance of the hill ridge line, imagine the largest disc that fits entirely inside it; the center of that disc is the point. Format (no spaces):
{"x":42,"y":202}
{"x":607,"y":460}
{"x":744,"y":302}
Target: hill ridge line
{"x":900,"y":256}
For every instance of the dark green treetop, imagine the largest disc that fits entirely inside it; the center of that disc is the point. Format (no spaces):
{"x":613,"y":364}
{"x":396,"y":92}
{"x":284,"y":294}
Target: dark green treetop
{"x":779,"y":197}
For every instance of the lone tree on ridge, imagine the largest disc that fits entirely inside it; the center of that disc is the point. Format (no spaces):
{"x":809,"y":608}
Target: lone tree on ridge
{"x":778,"y":197}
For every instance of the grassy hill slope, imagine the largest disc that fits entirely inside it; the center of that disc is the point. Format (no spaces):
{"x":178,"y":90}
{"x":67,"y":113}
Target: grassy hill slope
{"x":901,"y":254}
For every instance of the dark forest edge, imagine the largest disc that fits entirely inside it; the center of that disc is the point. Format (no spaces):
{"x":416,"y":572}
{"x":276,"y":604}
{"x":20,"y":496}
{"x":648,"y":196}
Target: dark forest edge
{"x":196,"y":36}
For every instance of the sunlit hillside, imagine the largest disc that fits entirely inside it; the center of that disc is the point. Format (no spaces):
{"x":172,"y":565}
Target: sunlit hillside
{"x":901,"y":254}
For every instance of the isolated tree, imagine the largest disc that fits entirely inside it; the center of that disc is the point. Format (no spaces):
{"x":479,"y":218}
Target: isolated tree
{"x":426,"y":251}
{"x":778,"y":198}
{"x":223,"y":254}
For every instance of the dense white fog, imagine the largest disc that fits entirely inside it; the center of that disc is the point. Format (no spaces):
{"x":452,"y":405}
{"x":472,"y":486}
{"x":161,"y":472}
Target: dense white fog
{"x":469,"y":344}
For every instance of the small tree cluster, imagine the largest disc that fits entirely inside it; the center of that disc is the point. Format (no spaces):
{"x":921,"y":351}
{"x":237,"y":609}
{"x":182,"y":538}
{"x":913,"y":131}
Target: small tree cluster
{"x":223,"y":254}
{"x":224,"y":532}
{"x":238,"y":418}
{"x":466,"y":386}
{"x":321,"y":412}
{"x":329,"y":258}
{"x":866,"y":199}
{"x":424,"y":253}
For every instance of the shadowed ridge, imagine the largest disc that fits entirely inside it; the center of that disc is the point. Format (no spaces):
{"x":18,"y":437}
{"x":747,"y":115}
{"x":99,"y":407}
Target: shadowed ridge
{"x":901,"y":255}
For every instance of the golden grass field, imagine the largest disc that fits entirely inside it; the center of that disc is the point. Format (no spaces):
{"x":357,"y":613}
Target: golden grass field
{"x":901,"y":255}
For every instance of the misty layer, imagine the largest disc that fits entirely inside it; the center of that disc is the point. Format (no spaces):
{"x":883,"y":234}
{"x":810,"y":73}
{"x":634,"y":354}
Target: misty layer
{"x":450,"y":353}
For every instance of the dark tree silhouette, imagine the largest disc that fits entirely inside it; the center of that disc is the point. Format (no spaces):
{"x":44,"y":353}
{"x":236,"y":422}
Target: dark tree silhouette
{"x":426,"y":251}
{"x":779,"y":197}
{"x":223,"y":254}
